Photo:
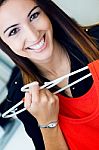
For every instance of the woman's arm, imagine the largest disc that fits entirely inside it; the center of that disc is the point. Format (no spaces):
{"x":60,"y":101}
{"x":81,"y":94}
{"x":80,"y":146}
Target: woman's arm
{"x":53,"y":139}
{"x":44,"y":106}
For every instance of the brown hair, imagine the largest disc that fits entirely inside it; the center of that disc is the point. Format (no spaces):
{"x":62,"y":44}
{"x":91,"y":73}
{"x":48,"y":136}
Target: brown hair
{"x":66,"y":31}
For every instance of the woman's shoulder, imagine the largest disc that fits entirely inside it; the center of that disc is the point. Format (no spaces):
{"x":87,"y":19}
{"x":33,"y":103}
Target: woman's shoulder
{"x":14,"y":85}
{"x":93,"y":31}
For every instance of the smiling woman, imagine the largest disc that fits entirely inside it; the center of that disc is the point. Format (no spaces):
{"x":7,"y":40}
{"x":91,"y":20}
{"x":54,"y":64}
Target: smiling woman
{"x":28,"y":30}
{"x":46,"y":43}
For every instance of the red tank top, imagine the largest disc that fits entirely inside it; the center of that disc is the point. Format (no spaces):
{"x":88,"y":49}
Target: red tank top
{"x":79,"y":117}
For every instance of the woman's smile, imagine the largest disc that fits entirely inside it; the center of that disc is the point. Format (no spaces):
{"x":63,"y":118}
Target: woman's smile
{"x":38,"y":46}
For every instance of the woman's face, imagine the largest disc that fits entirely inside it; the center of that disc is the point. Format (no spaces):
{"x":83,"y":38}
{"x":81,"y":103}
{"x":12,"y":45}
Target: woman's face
{"x":26,"y":29}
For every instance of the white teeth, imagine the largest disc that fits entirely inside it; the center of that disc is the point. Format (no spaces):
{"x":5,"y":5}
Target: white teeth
{"x":39,"y":45}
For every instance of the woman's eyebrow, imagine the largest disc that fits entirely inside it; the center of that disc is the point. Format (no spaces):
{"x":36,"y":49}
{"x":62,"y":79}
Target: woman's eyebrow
{"x":11,"y":27}
{"x":32,"y":10}
{"x":18,"y":24}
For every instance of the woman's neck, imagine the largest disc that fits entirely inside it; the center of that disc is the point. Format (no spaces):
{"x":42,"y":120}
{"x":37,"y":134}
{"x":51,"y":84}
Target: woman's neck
{"x":57,"y":65}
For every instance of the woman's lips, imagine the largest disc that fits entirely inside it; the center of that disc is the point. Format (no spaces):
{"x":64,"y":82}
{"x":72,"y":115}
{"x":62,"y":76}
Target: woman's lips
{"x":39,"y":46}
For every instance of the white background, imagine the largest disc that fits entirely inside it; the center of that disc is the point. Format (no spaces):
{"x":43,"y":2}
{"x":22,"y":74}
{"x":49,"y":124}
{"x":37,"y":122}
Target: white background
{"x":86,"y":12}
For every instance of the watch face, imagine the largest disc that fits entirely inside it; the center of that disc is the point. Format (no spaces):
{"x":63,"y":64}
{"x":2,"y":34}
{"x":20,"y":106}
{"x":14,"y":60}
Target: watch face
{"x":51,"y":125}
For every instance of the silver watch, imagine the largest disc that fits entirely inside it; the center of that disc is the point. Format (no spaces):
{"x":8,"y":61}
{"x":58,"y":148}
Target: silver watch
{"x":50,"y":125}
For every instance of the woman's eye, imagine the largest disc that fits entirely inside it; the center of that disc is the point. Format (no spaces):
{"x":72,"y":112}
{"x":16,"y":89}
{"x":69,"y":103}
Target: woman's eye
{"x":13,"y":32}
{"x":34,"y":16}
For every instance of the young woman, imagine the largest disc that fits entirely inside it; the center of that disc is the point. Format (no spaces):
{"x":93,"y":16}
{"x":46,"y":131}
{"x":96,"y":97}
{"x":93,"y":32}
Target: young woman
{"x":46,"y":44}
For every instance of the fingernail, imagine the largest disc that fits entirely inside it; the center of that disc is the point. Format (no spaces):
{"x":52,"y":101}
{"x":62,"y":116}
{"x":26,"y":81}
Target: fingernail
{"x":23,"y":99}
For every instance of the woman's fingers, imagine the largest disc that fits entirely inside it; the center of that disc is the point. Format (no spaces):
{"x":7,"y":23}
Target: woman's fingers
{"x":53,"y":98}
{"x":35,"y":93}
{"x":32,"y":96}
{"x":28,"y":100}
{"x":42,"y":104}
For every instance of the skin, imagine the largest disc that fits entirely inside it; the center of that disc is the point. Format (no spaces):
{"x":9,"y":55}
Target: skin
{"x":42,"y":104}
{"x":28,"y":31}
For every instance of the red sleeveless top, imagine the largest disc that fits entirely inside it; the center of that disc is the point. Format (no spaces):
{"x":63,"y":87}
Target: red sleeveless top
{"x":79,"y":117}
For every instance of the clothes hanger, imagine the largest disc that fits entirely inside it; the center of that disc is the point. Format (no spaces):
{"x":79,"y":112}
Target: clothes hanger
{"x":13,"y":111}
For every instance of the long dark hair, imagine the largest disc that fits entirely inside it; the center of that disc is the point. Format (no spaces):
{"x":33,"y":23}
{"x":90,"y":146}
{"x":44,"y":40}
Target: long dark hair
{"x":66,"y":31}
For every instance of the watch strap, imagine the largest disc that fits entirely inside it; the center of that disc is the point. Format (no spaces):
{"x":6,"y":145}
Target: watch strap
{"x":50,"y":125}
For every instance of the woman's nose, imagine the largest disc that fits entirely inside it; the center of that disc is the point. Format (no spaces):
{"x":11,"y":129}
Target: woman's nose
{"x":31,"y":34}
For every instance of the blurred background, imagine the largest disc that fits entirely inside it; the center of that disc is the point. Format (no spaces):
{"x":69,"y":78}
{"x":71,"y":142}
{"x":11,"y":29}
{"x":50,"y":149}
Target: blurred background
{"x":12,"y":132}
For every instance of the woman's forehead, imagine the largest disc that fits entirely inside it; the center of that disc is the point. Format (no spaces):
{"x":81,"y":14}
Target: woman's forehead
{"x":17,"y":5}
{"x":13,"y":11}
{"x":14,"y":7}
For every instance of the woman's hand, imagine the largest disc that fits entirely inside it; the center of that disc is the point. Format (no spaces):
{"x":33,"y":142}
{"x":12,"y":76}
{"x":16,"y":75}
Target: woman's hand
{"x":42,"y":104}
